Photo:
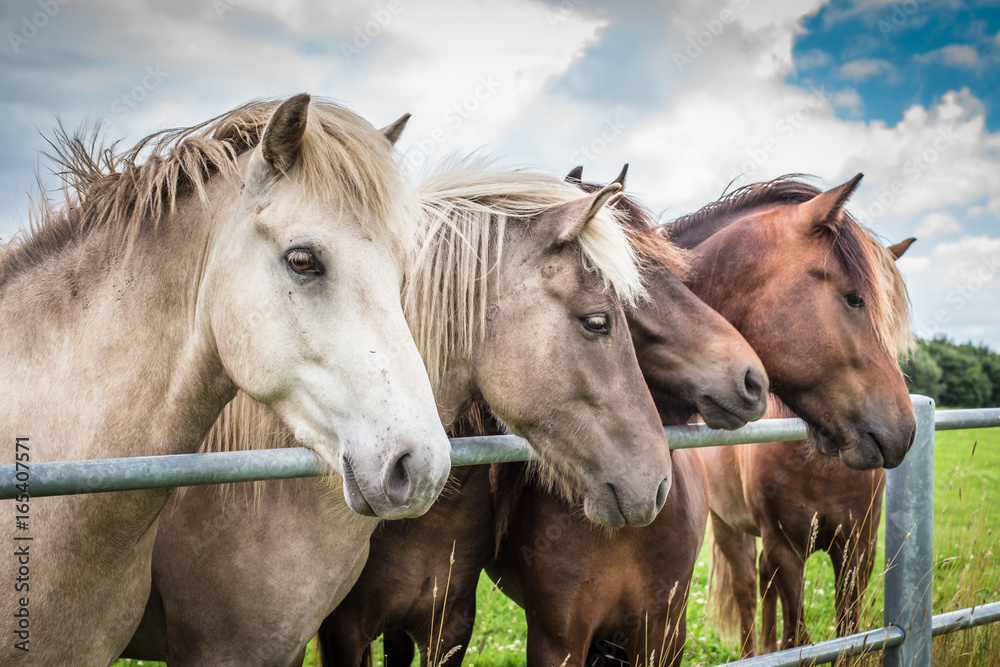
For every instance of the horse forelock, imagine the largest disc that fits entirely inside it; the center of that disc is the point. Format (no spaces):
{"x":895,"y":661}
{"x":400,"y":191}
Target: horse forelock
{"x":343,"y":161}
{"x":466,"y":205}
{"x":866,"y":261}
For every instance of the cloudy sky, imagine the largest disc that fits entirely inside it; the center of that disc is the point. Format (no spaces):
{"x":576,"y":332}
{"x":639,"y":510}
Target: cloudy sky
{"x":692,"y":93}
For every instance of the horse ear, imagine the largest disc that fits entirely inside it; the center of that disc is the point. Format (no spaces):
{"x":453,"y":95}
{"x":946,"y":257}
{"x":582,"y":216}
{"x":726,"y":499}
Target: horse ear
{"x":284,"y":132}
{"x":575,"y":215}
{"x":393,"y":131}
{"x":898,"y":249}
{"x":825,"y":208}
{"x":575,"y":175}
{"x":621,"y":177}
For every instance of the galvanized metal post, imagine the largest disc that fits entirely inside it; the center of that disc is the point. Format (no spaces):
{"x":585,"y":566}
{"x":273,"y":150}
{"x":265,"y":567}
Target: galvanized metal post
{"x":909,"y":544}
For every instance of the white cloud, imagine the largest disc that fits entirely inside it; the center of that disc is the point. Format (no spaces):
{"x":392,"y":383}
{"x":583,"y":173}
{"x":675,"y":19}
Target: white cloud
{"x":955,"y":290}
{"x":849,"y":99}
{"x":866,"y":68}
{"x":932,"y":159}
{"x":937,"y":222}
{"x":812,"y":59}
{"x":465,"y":90}
{"x":956,"y":55}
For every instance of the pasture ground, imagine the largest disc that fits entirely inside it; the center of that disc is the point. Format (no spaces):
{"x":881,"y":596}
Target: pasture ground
{"x":967,"y":572}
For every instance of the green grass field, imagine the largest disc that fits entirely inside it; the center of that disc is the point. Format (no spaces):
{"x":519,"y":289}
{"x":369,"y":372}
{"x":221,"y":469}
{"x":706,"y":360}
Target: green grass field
{"x":967,"y":572}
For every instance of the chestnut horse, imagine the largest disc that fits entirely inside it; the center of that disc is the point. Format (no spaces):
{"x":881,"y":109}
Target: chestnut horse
{"x":501,"y":253}
{"x":260,"y":251}
{"x":686,"y":351}
{"x":793,"y":272}
{"x":798,"y":503}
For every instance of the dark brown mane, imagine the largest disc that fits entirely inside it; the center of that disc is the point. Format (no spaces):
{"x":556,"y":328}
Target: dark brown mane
{"x":690,"y":230}
{"x":477,"y":420}
{"x":865,"y":260}
{"x":650,"y":246}
{"x":507,"y":481}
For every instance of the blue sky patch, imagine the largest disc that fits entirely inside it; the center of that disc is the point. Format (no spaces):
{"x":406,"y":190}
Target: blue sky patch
{"x":903,"y":54}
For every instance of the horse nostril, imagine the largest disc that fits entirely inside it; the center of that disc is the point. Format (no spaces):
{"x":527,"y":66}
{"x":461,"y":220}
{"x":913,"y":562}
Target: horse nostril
{"x":661,"y":494}
{"x":398,"y":481}
{"x":753,"y":384}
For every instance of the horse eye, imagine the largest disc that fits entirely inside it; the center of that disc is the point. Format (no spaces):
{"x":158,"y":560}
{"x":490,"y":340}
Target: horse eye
{"x":302,"y":261}
{"x":854,"y":300}
{"x":595,"y":323}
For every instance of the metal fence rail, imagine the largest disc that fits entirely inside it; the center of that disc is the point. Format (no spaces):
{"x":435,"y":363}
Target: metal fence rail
{"x":874,"y":640}
{"x":909,"y":505}
{"x":60,"y":478}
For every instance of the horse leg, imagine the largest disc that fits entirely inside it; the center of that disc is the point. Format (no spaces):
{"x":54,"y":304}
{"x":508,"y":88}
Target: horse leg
{"x":398,"y":648}
{"x":342,"y":643}
{"x":769,"y":607}
{"x":788,"y":571}
{"x":547,"y":649}
{"x":299,"y":659}
{"x":667,"y":638}
{"x":449,"y":641}
{"x":739,"y":550}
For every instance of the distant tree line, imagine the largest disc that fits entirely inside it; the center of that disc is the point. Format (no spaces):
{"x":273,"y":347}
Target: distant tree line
{"x":960,"y":376}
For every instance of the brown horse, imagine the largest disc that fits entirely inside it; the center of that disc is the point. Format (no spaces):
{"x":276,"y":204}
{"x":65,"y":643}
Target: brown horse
{"x":686,"y":351}
{"x":798,"y":503}
{"x":822,"y":303}
{"x":776,"y":259}
{"x":501,"y":253}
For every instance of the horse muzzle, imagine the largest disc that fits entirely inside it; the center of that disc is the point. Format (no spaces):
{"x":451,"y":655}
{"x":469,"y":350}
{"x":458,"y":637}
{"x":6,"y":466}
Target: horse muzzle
{"x":405,"y":485}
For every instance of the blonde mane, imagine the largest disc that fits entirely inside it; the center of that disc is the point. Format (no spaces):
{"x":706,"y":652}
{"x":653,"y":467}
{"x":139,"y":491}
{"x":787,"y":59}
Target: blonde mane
{"x":466,"y":206}
{"x":343,"y":161}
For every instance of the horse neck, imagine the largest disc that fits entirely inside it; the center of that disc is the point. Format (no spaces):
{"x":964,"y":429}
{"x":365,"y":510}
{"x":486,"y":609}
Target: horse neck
{"x":122,"y":368}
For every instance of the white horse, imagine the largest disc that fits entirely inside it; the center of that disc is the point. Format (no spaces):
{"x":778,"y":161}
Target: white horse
{"x":260,"y":251}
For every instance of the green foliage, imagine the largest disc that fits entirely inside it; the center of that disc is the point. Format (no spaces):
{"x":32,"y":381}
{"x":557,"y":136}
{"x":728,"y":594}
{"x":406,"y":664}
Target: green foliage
{"x":965,"y":376}
{"x":923,"y":375}
{"x":990,"y":362}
